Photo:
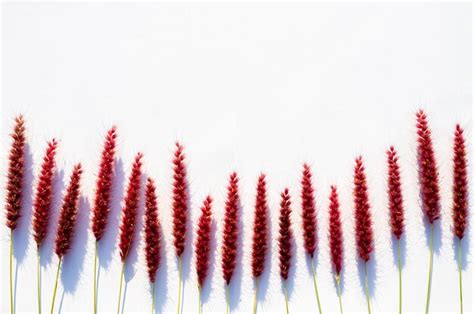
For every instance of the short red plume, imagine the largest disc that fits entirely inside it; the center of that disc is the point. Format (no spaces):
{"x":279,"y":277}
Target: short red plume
{"x":260,"y":229}
{"x":395,"y":198}
{"x":16,"y":172}
{"x":130,"y":208}
{"x":44,"y":194}
{"x":231,"y":228}
{"x":203,"y":241}
{"x":152,"y":235}
{"x":460,"y":184}
{"x":363,"y":219}
{"x":308,"y":211}
{"x":427,"y":170}
{"x":285,"y":238}
{"x":68,"y":215}
{"x":180,"y":200}
{"x":103,"y":190}
{"x":335,"y":231}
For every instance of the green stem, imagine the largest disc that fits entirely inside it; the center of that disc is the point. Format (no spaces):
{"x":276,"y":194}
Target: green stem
{"x":399,"y":279}
{"x":428,"y":293}
{"x":338,"y":288}
{"x":152,"y":297}
{"x":11,"y":272}
{"x":199,"y":300}
{"x":367,"y":295}
{"x":120,"y":288}
{"x":286,"y":297}
{"x":56,"y":285}
{"x":179,"y":284}
{"x":316,"y":286}
{"x":95,"y":278}
{"x":39,"y":282}
{"x":255,"y":296}
{"x":460,"y":272}
{"x":227,"y":299}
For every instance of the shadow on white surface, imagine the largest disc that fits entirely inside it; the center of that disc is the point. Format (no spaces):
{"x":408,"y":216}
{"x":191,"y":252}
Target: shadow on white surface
{"x":265,"y":276}
{"x":403,"y":250}
{"x":161,"y":286}
{"x":207,"y":285}
{"x":371,"y":274}
{"x":235,"y":285}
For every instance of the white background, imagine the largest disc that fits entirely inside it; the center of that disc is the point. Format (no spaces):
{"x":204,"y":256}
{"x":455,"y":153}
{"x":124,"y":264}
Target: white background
{"x":249,"y":88}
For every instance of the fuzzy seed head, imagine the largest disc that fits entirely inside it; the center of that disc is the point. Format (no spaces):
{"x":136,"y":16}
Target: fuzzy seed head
{"x":460,"y":204}
{"x":285,"y":238}
{"x":395,"y":198}
{"x":308,"y":215}
{"x":152,"y":235}
{"x":231,"y":229}
{"x":335,"y":232}
{"x":260,"y":229}
{"x":203,"y":241}
{"x":180,"y":200}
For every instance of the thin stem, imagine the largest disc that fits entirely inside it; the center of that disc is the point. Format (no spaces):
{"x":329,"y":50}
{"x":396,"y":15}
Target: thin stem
{"x":56,"y":284}
{"x":11,"y":272}
{"x":367,"y":289}
{"x":460,"y":272}
{"x":286,"y":297}
{"x":255,"y":296}
{"x":316,"y":286}
{"x":95,"y":278}
{"x":428,"y":293}
{"x":152,"y":297}
{"x":179,"y":284}
{"x":120,"y":288}
{"x":338,"y":288}
{"x":399,"y":279}
{"x":199,"y":300}
{"x":39,"y":282}
{"x":227,"y":299}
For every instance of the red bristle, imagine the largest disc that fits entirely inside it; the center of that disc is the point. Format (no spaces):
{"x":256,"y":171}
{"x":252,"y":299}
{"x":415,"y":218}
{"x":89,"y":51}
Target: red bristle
{"x":460,"y":186}
{"x":152,"y":230}
{"x":130,"y":208}
{"x":231,"y":228}
{"x":260,"y":229}
{"x":335,"y":231}
{"x":68,"y":214}
{"x":44,"y":194}
{"x":427,"y":170}
{"x":16,"y":172}
{"x":103,"y":190}
{"x":285,"y":237}
{"x":395,"y":198}
{"x":180,"y":200}
{"x":308,"y":214}
{"x":363,"y":219}
{"x":203,"y":240}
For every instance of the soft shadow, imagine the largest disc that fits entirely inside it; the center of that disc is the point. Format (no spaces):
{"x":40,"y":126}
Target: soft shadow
{"x":465,"y":247}
{"x":264,"y":279}
{"x":403,"y":250}
{"x":235,"y":285}
{"x":315,"y":262}
{"x":437,"y":236}
{"x":290,"y":282}
{"x":342,"y":280}
{"x":161,"y":287}
{"x":207,"y":285}
{"x":371,"y":274}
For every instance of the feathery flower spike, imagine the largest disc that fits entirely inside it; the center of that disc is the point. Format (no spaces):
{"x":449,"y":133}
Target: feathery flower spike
{"x":395,"y":205}
{"x":308,"y":215}
{"x":16,"y":171}
{"x":67,"y":221}
{"x":42,"y":204}
{"x":429,"y":185}
{"x":363,"y":220}
{"x":336,"y":239}
{"x":460,"y":204}
{"x":202,"y":246}
{"x":260,"y":235}
{"x":285,"y":239}
{"x":230,"y":232}
{"x":103,"y":190}
{"x":129,"y":216}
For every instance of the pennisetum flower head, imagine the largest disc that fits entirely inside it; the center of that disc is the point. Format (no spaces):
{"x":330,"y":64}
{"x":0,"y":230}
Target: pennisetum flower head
{"x":44,"y":194}
{"x":203,"y":241}
{"x":308,"y":211}
{"x":103,"y":190}
{"x":335,"y":231}
{"x":285,"y":237}
{"x":68,"y":215}
{"x":363,"y":219}
{"x":395,"y":198}
{"x":260,"y":229}
{"x":460,"y":184}
{"x":16,"y":172}
{"x":152,"y":230}
{"x":180,"y":200}
{"x":231,"y":228}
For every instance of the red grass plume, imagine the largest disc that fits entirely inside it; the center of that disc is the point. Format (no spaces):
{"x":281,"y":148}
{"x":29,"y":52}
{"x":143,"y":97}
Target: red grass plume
{"x":180,"y":200}
{"x":363,"y":219}
{"x":395,"y":198}
{"x":44,"y":194}
{"x":308,"y":211}
{"x":103,"y":190}
{"x":16,"y":172}
{"x":68,"y":215}
{"x":427,"y":170}
{"x":152,"y":230}
{"x":285,"y":238}
{"x":260,"y":229}
{"x":460,"y":186}
{"x":335,"y":232}
{"x":231,"y":228}
{"x":203,"y":241}
{"x":130,"y":208}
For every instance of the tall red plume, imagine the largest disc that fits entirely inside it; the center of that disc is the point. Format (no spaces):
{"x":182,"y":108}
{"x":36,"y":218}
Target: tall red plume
{"x":285,"y":238}
{"x":308,"y":211}
{"x":231,"y":228}
{"x":44,"y":194}
{"x":363,"y":219}
{"x":427,"y":170}
{"x":260,"y":229}
{"x":180,"y":200}
{"x":130,"y":208}
{"x":203,"y":241}
{"x":68,"y":215}
{"x":460,"y":186}
{"x":152,"y":230}
{"x":103,"y":190}
{"x":395,"y":198}
{"x":16,"y":172}
{"x":335,"y":231}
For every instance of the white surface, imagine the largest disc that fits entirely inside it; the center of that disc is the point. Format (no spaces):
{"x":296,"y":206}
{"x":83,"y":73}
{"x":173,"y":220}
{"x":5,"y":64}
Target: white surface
{"x":248,"y":88}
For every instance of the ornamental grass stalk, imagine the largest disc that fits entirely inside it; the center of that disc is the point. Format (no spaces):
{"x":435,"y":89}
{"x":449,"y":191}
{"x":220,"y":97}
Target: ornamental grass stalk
{"x":285,"y":242}
{"x":336,"y":241}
